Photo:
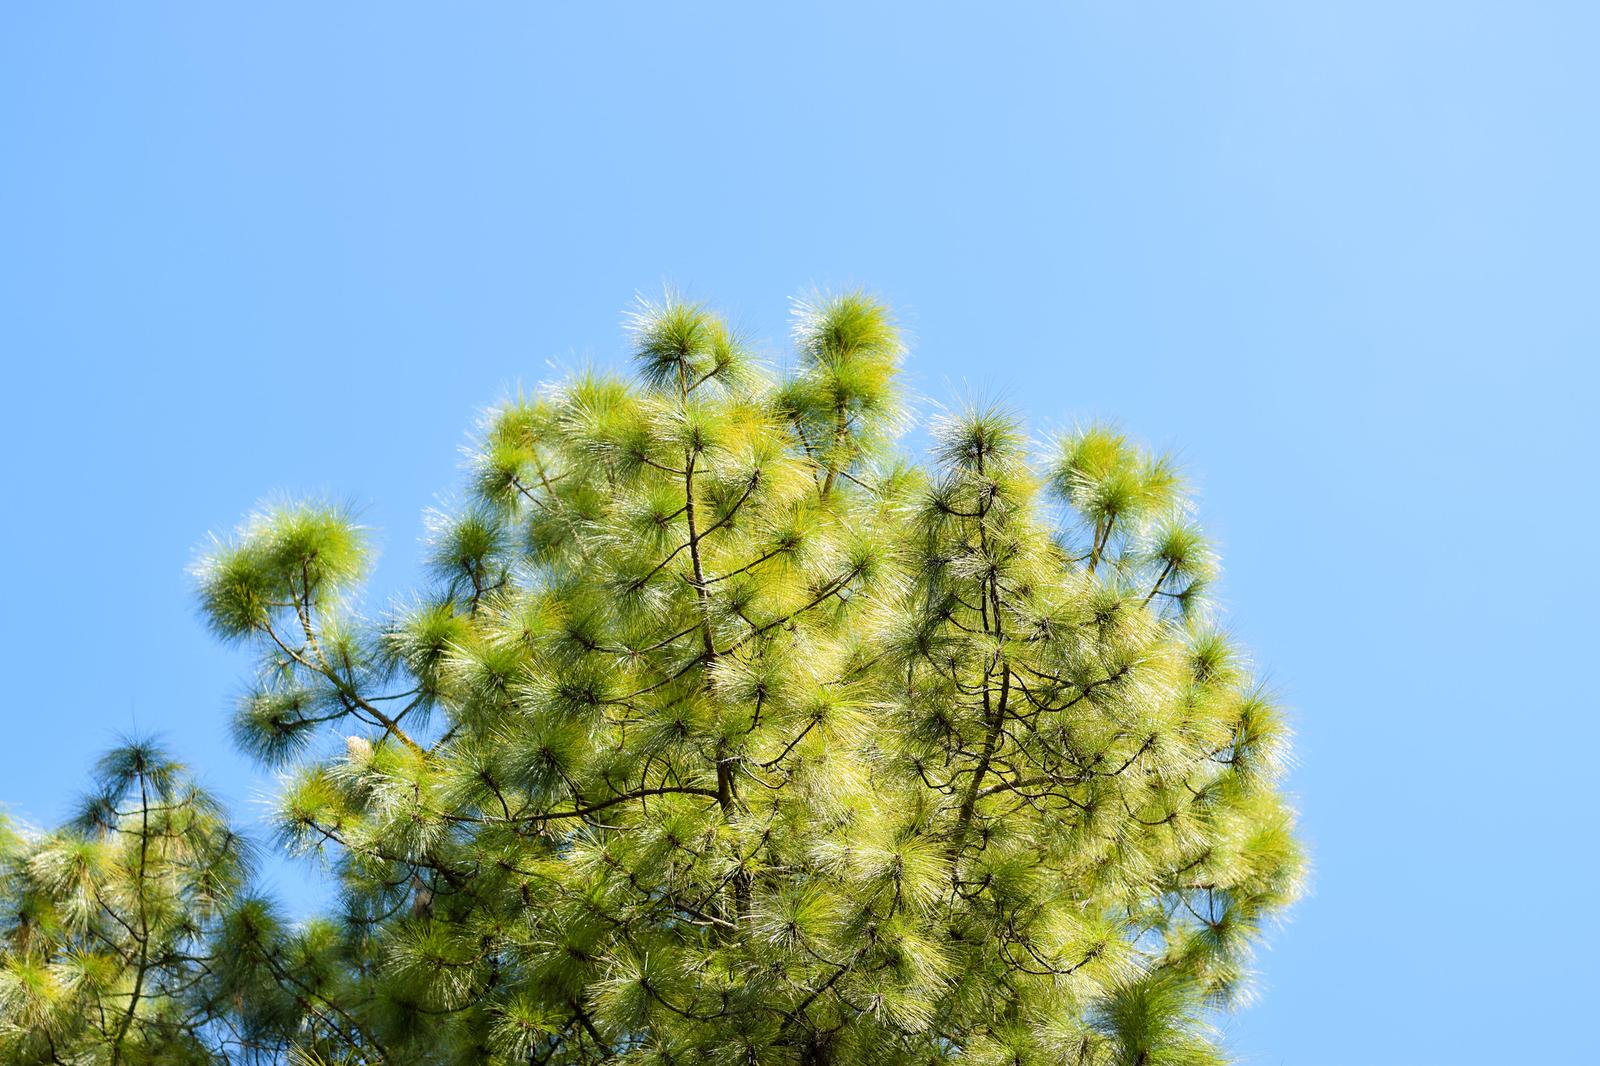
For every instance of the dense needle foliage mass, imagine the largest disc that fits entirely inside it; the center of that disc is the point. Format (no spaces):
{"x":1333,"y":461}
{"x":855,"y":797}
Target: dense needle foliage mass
{"x":120,"y":935}
{"x":720,"y":734}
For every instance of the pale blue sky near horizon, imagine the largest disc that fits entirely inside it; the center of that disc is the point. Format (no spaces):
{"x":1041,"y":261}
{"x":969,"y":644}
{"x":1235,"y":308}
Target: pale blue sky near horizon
{"x":1340,"y":256}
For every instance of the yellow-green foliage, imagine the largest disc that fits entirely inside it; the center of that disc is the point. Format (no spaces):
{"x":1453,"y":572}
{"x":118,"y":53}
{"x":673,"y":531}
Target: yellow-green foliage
{"x":724,"y":735}
{"x":114,"y":943}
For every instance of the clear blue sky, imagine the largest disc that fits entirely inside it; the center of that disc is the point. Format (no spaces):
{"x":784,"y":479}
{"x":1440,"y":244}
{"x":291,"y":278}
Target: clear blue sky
{"x":1341,"y":255}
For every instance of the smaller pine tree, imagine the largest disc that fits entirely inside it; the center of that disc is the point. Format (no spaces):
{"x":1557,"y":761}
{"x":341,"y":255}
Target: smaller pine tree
{"x":110,"y":924}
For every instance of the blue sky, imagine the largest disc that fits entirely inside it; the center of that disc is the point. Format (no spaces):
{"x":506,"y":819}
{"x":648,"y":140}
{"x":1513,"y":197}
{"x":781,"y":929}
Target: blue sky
{"x":1341,"y":256}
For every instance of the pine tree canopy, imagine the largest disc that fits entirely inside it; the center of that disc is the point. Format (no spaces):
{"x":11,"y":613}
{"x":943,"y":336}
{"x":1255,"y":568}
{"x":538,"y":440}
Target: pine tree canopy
{"x":719,"y":732}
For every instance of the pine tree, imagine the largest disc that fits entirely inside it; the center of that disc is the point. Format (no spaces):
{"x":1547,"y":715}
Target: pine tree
{"x":721,"y":733}
{"x":116,"y":930}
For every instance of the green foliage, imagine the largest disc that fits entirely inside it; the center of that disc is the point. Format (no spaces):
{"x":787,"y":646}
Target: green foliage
{"x":114,"y":945}
{"x":722,"y":734}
